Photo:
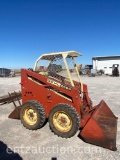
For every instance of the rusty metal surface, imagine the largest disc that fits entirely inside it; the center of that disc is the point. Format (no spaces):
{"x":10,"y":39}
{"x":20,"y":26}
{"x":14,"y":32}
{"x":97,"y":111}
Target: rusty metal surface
{"x":13,"y":97}
{"x":101,"y":128}
{"x":16,"y":96}
{"x":15,"y":113}
{"x":10,"y":97}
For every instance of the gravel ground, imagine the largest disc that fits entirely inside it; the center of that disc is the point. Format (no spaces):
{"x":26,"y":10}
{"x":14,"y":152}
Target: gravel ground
{"x":43,"y":144}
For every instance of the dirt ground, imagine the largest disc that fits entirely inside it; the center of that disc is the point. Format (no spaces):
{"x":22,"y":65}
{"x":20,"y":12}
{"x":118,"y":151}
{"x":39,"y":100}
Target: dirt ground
{"x":43,"y":144}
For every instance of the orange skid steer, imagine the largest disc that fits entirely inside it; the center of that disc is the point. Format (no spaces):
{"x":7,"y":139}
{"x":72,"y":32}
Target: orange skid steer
{"x":54,"y":90}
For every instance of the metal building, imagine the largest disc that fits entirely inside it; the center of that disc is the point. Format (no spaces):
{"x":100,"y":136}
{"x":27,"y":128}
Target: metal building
{"x":106,"y":63}
{"x":4,"y":72}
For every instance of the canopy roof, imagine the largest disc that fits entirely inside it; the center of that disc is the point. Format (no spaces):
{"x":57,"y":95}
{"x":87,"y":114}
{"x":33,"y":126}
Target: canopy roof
{"x":52,"y":56}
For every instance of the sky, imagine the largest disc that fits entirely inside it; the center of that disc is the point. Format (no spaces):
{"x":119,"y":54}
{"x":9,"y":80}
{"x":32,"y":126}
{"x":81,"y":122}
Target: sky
{"x":29,"y":28}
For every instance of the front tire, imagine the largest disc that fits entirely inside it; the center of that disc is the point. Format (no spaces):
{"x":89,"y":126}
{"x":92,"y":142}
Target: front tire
{"x":32,"y":115}
{"x":64,"y":120}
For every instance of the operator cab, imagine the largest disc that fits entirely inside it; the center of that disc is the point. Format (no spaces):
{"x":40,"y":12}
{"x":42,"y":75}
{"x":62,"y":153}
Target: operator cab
{"x":60,"y":66}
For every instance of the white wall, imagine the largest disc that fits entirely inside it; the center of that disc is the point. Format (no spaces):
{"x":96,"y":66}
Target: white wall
{"x":106,"y":65}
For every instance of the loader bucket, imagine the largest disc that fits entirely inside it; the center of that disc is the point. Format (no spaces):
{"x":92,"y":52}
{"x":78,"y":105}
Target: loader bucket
{"x":15,"y":114}
{"x":101,"y":127}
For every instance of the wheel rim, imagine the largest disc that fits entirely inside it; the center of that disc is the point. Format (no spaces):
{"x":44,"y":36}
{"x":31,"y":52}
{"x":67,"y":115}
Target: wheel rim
{"x":62,"y":121}
{"x":30,"y":116}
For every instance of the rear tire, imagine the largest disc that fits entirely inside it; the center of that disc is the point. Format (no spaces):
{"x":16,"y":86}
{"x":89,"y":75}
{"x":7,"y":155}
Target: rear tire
{"x":64,"y":120}
{"x":32,"y":115}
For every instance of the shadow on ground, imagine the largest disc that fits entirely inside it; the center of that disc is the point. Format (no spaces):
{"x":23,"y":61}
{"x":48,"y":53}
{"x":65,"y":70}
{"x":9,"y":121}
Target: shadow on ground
{"x":8,"y":154}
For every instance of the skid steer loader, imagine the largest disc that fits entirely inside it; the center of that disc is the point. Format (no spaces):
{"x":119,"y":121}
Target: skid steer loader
{"x":54,"y":90}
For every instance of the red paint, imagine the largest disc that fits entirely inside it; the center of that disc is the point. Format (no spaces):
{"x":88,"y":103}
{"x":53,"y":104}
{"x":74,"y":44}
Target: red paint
{"x":98,"y":124}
